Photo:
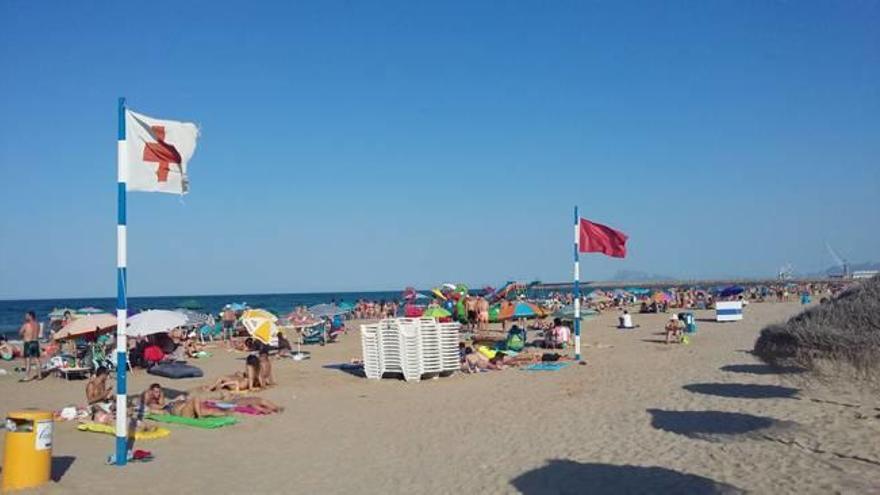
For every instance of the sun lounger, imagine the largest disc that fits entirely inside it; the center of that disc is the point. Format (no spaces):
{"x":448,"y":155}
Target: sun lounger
{"x":68,"y":373}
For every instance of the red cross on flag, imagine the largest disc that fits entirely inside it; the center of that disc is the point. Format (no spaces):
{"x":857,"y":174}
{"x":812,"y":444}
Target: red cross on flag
{"x":157,"y":152}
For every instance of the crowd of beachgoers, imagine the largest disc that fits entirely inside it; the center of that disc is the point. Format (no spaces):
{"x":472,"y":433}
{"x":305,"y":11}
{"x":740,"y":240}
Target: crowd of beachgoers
{"x":499,"y":329}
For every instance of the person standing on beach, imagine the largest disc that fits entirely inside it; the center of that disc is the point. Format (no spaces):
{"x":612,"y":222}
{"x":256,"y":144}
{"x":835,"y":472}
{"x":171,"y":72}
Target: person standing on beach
{"x":30,"y":333}
{"x":228,"y":323}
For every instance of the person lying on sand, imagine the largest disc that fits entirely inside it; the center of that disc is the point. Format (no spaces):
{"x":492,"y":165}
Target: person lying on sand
{"x":264,"y":406}
{"x":183,"y":405}
{"x":239,"y":382}
{"x":7,"y":350}
{"x":192,"y":347}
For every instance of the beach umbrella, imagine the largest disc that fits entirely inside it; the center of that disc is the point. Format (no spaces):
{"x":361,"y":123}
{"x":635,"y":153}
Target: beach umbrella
{"x":346,"y":306}
{"x":300,"y":319}
{"x":237,"y":306}
{"x":194,"y":318}
{"x":462,"y":289}
{"x":191,"y":304}
{"x":326,"y":310}
{"x":733,"y":290}
{"x":85,"y":325}
{"x":660,"y":297}
{"x":448,"y":286}
{"x":154,"y":321}
{"x":260,"y":313}
{"x":58,"y":313}
{"x":260,"y":324}
{"x":89,"y":310}
{"x":567,"y":312}
{"x":436,"y":312}
{"x":520,"y":310}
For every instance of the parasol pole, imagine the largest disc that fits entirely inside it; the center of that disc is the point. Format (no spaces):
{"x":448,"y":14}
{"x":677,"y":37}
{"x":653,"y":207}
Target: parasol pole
{"x":577,"y":288}
{"x":121,"y":298}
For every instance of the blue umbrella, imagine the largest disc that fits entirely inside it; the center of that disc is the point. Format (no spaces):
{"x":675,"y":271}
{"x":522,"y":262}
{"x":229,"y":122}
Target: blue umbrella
{"x":733,"y":290}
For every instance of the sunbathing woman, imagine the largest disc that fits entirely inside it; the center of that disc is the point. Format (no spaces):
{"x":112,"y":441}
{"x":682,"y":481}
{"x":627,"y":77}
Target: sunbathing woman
{"x":239,"y":382}
{"x":263,"y":406}
{"x":183,"y":405}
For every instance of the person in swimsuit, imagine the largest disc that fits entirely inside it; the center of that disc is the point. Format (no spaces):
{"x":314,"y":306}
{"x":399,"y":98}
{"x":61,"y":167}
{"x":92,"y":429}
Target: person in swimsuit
{"x":7,"y":350}
{"x":482,"y":314}
{"x":239,"y":382}
{"x":184,"y":405}
{"x":470,"y":304}
{"x":30,"y":332}
{"x":228,"y":323}
{"x":264,"y":369}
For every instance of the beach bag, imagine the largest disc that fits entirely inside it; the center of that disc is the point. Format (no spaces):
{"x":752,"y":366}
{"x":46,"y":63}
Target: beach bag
{"x":515,"y":342}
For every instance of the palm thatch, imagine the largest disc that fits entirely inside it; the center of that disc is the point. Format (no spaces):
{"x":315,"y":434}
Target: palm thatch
{"x":843,"y":333}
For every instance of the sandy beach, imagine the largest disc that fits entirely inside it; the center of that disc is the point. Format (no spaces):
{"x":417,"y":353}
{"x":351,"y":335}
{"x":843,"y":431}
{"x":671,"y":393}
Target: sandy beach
{"x":640,"y":416}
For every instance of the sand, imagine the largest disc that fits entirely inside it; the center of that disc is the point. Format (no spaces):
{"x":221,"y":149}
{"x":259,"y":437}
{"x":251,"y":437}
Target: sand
{"x":640,"y":416}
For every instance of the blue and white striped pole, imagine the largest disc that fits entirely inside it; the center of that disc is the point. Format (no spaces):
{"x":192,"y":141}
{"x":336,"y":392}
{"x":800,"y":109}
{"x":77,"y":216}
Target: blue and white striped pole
{"x":577,"y":286}
{"x":121,"y":298}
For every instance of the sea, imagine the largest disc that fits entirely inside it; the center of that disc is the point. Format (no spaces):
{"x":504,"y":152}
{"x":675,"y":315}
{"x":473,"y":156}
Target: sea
{"x":12,"y":312}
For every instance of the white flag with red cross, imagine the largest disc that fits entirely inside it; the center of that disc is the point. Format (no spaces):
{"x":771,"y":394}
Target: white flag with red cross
{"x":157,"y":152}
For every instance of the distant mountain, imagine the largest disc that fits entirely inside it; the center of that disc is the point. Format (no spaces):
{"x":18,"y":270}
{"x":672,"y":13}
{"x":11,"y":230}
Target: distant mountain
{"x":637,"y":275}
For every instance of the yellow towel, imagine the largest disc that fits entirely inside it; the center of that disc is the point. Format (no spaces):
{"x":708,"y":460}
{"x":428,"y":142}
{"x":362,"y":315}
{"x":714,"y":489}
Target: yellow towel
{"x":109,"y":430}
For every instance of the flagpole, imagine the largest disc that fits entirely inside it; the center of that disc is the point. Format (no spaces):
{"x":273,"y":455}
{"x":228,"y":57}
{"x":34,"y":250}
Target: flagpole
{"x":577,"y":287}
{"x":121,"y":296}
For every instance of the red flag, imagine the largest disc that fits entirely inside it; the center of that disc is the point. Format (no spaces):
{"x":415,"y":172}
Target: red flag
{"x":597,"y":238}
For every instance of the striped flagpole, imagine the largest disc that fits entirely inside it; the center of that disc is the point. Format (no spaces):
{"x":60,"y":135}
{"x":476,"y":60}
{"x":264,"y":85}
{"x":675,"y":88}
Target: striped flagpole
{"x":121,"y":298}
{"x":577,"y":286}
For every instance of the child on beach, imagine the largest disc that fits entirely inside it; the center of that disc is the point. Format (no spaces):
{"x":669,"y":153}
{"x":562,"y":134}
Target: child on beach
{"x":674,"y":329}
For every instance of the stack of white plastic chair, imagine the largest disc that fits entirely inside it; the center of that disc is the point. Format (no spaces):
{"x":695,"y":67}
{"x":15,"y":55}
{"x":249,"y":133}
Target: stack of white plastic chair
{"x":449,"y":337}
{"x":431,"y":347}
{"x":371,"y":352}
{"x":390,"y":352}
{"x":410,"y":346}
{"x":411,"y":349}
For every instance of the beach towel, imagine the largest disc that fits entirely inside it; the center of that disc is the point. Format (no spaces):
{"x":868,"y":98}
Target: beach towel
{"x":109,"y":430}
{"x":548,"y":366}
{"x":226,"y":406}
{"x":208,"y":423}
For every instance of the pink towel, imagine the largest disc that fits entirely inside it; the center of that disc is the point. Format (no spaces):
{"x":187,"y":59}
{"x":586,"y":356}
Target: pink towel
{"x":253,"y":411}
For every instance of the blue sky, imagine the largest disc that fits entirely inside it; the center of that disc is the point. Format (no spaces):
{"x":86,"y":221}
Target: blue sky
{"x":373,"y":145}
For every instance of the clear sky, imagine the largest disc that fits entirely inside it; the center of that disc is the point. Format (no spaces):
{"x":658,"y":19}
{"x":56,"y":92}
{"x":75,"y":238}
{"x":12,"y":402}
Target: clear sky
{"x":373,"y":145}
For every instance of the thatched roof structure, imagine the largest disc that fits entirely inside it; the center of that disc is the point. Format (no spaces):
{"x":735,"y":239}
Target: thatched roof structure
{"x":842,"y":333}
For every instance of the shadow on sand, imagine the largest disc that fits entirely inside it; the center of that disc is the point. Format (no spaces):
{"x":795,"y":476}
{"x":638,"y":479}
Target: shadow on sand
{"x":352,"y":369}
{"x":712,"y":426}
{"x":742,"y":390}
{"x":563,"y":476}
{"x":762,"y":369}
{"x":60,"y":465}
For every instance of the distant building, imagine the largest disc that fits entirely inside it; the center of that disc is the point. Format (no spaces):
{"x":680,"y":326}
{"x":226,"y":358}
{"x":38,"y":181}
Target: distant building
{"x":862,"y":274}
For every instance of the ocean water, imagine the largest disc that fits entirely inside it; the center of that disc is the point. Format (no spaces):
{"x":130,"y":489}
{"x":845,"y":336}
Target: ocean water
{"x":12,"y":312}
